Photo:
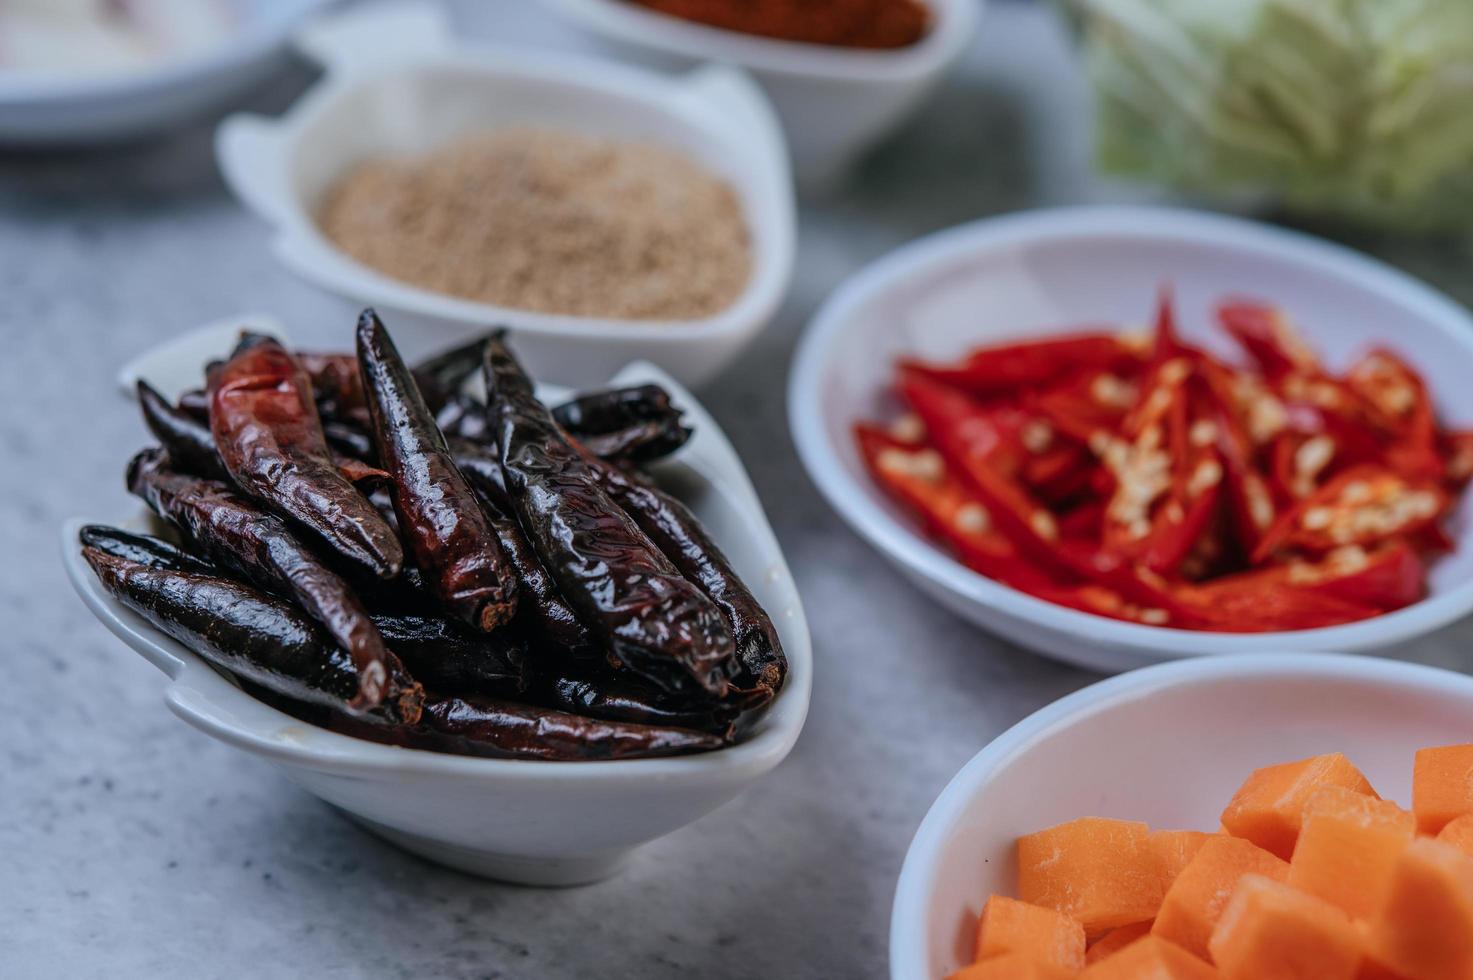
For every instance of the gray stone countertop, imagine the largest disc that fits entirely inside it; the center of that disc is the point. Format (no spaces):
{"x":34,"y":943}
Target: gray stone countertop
{"x":132,"y":845}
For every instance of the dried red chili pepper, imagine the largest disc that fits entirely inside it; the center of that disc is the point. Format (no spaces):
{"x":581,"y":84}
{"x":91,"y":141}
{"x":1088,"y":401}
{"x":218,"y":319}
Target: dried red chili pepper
{"x":248,"y":634}
{"x":677,"y":532}
{"x":256,"y":543}
{"x":453,"y":544}
{"x":623,"y":587}
{"x":267,"y":432}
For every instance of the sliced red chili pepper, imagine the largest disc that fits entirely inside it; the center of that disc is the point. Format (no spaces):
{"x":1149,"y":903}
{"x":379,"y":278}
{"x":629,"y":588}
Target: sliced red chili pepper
{"x":968,"y":438}
{"x":1268,"y":337}
{"x":1086,"y":404}
{"x":1362,"y":506}
{"x":918,"y":478}
{"x":1395,"y":393}
{"x":998,"y":370}
{"x":1457,"y":451}
{"x":1243,"y":604}
{"x":1389,"y":577}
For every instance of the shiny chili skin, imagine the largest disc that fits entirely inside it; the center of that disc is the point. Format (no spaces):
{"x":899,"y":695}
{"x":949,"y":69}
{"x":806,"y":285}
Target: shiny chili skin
{"x":448,"y":657}
{"x":628,"y":699}
{"x":441,"y":377}
{"x":622,"y":586}
{"x":642,"y":442}
{"x":189,"y":441}
{"x":452,"y":542}
{"x":269,"y":435}
{"x":482,"y":726}
{"x":540,"y":606}
{"x":630,"y":439}
{"x":677,"y":532}
{"x":142,"y":549}
{"x":238,"y":534}
{"x":336,"y":385}
{"x":243,"y":632}
{"x":615,"y":408}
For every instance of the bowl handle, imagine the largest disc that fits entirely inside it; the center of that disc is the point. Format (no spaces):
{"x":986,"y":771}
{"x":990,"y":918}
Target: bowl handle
{"x":249,"y":150}
{"x":370,"y":38}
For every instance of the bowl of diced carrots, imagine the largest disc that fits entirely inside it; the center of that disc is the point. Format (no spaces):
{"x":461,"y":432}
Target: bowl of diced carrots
{"x":1266,"y":817}
{"x":1123,"y":435}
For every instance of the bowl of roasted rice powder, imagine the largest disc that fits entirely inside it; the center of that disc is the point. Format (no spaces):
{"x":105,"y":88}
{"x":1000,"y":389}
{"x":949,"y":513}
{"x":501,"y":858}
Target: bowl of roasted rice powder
{"x":603,"y":213}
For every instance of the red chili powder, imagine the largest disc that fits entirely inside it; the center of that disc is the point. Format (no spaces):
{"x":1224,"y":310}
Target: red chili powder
{"x":840,"y":23}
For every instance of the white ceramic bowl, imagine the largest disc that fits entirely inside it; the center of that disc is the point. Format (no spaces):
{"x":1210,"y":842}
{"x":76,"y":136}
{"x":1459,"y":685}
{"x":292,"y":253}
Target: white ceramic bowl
{"x":544,"y":823}
{"x":1032,"y":274}
{"x":398,"y":83}
{"x":834,"y":102}
{"x":50,"y":109}
{"x":1168,"y":745}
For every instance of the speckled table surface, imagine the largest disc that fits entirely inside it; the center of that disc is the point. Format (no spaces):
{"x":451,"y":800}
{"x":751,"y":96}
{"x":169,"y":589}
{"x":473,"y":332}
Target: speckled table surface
{"x":132,"y":845}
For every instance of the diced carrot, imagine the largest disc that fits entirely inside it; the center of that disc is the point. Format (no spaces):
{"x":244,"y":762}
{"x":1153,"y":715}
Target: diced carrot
{"x":1150,"y":958}
{"x":1442,"y":786}
{"x":1348,"y":848}
{"x":1268,"y":807}
{"x":1425,"y":930}
{"x":1099,"y":871}
{"x":1012,"y":966}
{"x":1010,"y":926}
{"x":1270,"y":931}
{"x":1174,"y":849}
{"x":1459,"y":833}
{"x":1115,"y":940}
{"x":1194,"y":903}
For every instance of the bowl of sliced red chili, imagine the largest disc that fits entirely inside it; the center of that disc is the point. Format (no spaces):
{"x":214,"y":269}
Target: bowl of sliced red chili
{"x":1122,"y":435}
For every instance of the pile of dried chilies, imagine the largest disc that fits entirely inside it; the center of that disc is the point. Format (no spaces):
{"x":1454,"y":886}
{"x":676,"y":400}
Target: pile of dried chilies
{"x":1144,"y":479}
{"x":374,"y":550}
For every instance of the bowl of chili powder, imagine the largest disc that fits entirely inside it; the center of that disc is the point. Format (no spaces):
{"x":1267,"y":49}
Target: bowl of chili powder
{"x":841,"y":73}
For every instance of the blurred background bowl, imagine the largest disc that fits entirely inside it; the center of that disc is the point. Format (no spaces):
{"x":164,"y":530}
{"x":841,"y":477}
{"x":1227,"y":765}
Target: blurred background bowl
{"x":1168,"y":745}
{"x":56,"y":109}
{"x":1028,"y":275}
{"x":833,"y":102}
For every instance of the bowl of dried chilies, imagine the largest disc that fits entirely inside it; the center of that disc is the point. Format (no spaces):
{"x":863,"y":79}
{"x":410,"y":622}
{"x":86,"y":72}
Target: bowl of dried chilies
{"x":520,"y":663}
{"x":983,"y":407}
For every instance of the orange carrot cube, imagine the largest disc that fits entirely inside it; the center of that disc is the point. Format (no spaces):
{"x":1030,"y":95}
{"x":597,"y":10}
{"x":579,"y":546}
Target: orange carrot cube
{"x":1010,"y":926}
{"x":1348,"y":847}
{"x":1442,"y":786}
{"x":1425,"y":929}
{"x":1268,"y":807}
{"x":1195,"y":901}
{"x":1150,"y":958}
{"x":1115,"y":940}
{"x":1459,"y":833}
{"x":1012,"y":966}
{"x":1101,"y":872}
{"x":1270,"y":931}
{"x":1174,"y":849}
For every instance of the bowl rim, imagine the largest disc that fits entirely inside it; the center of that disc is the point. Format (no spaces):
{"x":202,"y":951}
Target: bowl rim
{"x":205,"y":699}
{"x":258,"y":38}
{"x":954,"y":24}
{"x":910,"y":549}
{"x":255,"y":152}
{"x":909,"y":953}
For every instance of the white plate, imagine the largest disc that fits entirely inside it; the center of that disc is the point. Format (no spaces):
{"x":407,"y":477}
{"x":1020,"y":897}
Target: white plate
{"x":1032,"y":274}
{"x":1168,"y":745}
{"x":833,"y":102}
{"x":535,"y":822}
{"x":397,"y":82}
{"x":40,"y":109}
